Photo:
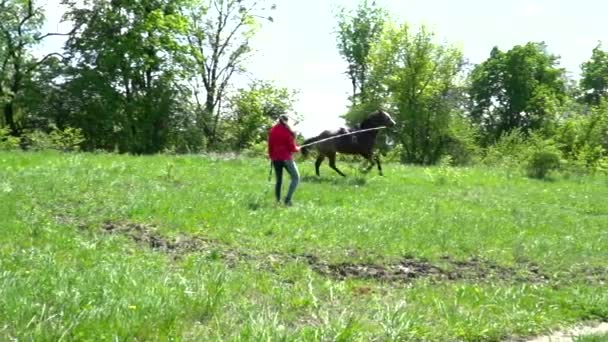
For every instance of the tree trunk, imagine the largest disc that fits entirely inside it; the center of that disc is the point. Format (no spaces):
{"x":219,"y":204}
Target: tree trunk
{"x":209,"y":110}
{"x":9,"y":117}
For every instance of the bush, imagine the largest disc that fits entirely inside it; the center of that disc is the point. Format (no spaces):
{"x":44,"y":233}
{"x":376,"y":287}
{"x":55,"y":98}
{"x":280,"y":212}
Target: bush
{"x":509,"y":150}
{"x":543,"y":158}
{"x":394,"y":154}
{"x":257,"y":150}
{"x":541,"y":163}
{"x":461,"y":145}
{"x":8,"y":142}
{"x":583,"y":139}
{"x":65,"y":140}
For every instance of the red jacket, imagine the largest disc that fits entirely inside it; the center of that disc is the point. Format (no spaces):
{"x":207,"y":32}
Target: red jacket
{"x":281,"y":143}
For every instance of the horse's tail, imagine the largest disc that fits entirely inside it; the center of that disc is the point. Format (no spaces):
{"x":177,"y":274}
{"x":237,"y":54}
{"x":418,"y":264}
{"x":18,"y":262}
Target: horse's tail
{"x":305,"y":149}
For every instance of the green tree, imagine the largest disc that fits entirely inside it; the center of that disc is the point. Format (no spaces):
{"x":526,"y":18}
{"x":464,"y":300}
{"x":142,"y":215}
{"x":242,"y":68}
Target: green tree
{"x":521,"y":88}
{"x":414,"y":78}
{"x":124,"y":74}
{"x":357,"y":33}
{"x":20,"y":23}
{"x":253,"y":110}
{"x":219,"y":37}
{"x":594,"y":82}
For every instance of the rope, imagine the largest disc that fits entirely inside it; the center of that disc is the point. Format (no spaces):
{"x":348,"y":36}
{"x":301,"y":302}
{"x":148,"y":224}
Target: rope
{"x":342,"y":135}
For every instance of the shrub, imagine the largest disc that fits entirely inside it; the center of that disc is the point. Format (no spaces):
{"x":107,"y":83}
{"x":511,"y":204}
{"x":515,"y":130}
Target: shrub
{"x":508,"y":151}
{"x":541,"y":163}
{"x":258,"y":150}
{"x":461,"y":145}
{"x":8,"y":142}
{"x":65,"y":140}
{"x":542,"y":158}
{"x":583,"y":139}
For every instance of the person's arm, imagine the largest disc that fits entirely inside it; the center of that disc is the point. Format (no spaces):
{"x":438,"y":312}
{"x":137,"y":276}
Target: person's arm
{"x":293,"y":147}
{"x":270,"y":151}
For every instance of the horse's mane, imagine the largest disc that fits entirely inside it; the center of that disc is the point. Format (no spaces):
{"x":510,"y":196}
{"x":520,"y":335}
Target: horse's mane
{"x":368,"y":120}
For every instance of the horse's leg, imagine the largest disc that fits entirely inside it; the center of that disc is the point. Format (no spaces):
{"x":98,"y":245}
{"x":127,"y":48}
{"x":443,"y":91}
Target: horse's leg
{"x":377,"y":157}
{"x":332,"y":164}
{"x":320,"y":159}
{"x":368,"y":158}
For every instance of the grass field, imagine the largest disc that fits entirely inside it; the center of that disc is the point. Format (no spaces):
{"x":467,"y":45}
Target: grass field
{"x":109,"y":247}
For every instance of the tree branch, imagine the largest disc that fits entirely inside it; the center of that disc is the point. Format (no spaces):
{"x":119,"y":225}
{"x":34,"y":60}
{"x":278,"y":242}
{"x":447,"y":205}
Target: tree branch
{"x":223,"y":84}
{"x":236,"y":28}
{"x":39,"y":38}
{"x":42,"y":60}
{"x":30,"y":14}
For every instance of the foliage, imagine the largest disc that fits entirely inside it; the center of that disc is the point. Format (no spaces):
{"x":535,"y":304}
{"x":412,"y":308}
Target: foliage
{"x":20,"y":23}
{"x":415,"y":78}
{"x":219,"y":41}
{"x":66,"y":140}
{"x":252,"y":111}
{"x":7,"y":141}
{"x":461,"y":145}
{"x":509,"y":150}
{"x":521,"y":88}
{"x":537,"y":155}
{"x":594,"y":81}
{"x":543,"y":158}
{"x":357,"y":34}
{"x":583,"y":138}
{"x":124,"y":71}
{"x":184,"y":134}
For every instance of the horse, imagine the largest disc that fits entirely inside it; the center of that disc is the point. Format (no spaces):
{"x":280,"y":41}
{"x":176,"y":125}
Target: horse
{"x":355,"y":144}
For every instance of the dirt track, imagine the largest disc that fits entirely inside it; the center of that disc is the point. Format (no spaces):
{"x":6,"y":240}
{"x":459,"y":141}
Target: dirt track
{"x":404,"y":270}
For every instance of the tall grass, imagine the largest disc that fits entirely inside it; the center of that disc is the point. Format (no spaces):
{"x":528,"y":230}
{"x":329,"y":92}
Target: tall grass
{"x":63,"y":276}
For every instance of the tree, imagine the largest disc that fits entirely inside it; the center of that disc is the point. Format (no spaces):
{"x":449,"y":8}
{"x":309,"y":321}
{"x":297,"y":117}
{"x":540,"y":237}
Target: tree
{"x":219,"y":37}
{"x":594,"y":82}
{"x":124,"y":72}
{"x":356,"y":35}
{"x":20,"y":22}
{"x":521,"y":88}
{"x":414,"y":78}
{"x":253,"y":110}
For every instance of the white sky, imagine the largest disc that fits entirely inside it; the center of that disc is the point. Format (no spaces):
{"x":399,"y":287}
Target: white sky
{"x":299,"y":51}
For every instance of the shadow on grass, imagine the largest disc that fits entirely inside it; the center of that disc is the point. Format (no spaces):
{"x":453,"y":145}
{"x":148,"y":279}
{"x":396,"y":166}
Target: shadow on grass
{"x":355,"y":181}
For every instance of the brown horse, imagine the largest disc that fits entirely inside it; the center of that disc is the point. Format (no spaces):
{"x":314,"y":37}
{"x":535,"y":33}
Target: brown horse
{"x":357,"y":143}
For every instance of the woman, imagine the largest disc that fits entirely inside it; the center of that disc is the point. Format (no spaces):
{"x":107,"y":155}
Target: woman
{"x":281,"y":147}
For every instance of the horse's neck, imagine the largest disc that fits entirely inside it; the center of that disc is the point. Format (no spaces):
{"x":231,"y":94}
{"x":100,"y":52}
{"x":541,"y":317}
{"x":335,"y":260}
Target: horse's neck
{"x":371,"y":135}
{"x":367,"y":124}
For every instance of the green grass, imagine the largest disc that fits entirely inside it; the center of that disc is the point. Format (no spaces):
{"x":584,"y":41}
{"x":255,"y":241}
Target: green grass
{"x":519,"y":256}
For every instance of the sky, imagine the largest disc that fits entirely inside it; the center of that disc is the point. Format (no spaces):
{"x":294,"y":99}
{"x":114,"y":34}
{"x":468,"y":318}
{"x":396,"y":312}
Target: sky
{"x":298,"y":50}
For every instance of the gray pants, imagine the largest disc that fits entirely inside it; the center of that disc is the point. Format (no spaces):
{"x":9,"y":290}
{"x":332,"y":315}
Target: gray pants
{"x":292,"y":169}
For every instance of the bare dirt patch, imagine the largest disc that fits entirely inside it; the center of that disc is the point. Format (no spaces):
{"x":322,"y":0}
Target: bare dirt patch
{"x":475,"y":268}
{"x":409,"y":268}
{"x":590,"y":274}
{"x":147,"y":236}
{"x":404,"y":270}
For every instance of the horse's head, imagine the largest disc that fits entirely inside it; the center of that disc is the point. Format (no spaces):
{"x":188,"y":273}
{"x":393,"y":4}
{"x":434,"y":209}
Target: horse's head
{"x":380,"y":118}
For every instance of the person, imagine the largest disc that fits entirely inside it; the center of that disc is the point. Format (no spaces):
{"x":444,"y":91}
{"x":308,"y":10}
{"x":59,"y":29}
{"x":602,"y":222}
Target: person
{"x":281,"y":147}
